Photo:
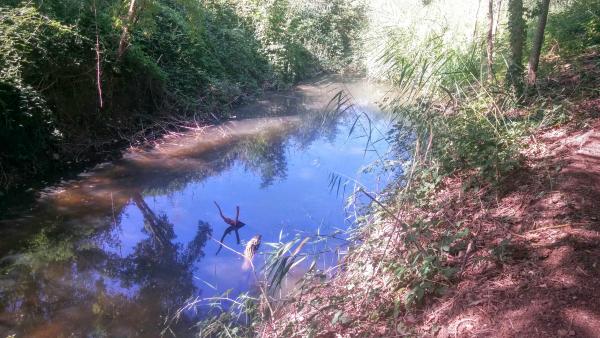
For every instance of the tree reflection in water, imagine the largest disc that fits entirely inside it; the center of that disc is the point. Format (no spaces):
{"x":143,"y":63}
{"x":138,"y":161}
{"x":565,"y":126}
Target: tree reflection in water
{"x":62,"y":284}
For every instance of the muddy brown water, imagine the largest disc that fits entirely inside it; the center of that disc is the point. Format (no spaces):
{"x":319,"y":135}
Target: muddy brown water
{"x":115,"y":252}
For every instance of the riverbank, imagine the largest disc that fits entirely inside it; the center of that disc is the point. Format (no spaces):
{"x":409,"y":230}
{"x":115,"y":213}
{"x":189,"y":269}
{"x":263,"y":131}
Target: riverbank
{"x":484,"y":203}
{"x":470,"y":257}
{"x":528,"y":266}
{"x":532,"y":269}
{"x":78,"y":83}
{"x":83,"y":157}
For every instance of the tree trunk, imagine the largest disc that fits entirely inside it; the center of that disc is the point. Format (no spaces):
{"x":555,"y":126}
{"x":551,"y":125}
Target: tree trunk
{"x":98,"y":61}
{"x":476,"y":20}
{"x":497,"y":23}
{"x":490,"y":41}
{"x":516,"y":31}
{"x":536,"y":48}
{"x":124,"y":41}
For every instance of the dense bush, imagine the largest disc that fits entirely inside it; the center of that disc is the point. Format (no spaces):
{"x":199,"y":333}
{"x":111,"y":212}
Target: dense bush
{"x":35,"y":53}
{"x":468,"y":140}
{"x":574,"y":27}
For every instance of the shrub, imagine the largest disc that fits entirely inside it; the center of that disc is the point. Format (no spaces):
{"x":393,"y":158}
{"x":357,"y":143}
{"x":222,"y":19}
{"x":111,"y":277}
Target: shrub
{"x":34,"y":49}
{"x":574,"y":27}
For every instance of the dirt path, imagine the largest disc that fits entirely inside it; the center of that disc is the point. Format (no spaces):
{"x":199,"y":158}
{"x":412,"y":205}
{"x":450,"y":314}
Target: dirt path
{"x":536,"y":268}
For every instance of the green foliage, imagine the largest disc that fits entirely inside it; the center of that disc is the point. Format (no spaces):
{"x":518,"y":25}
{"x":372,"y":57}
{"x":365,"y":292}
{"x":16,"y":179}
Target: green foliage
{"x":237,"y":322}
{"x":440,"y":92}
{"x":34,"y":50}
{"x":501,"y":251}
{"x":574,"y":27}
{"x":183,"y":56}
{"x":423,"y":271}
{"x":205,"y":55}
{"x":26,"y":123}
{"x":474,"y":138}
{"x":302,"y":37}
{"x":224,"y":325}
{"x":281,"y":260}
{"x":428,"y":66}
{"x":45,"y":248}
{"x":469,"y":140}
{"x":34,"y":45}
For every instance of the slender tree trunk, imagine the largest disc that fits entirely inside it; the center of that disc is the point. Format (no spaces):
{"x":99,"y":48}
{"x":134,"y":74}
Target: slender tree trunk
{"x":497,"y":23}
{"x":98,"y":61}
{"x":124,"y":41}
{"x":490,"y":41}
{"x":536,"y":48}
{"x":516,"y":30}
{"x":98,"y":73}
{"x":476,"y":20}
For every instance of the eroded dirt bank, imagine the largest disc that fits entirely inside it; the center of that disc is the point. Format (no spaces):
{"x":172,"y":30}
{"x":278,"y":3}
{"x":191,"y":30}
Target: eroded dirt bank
{"x":545,"y":226}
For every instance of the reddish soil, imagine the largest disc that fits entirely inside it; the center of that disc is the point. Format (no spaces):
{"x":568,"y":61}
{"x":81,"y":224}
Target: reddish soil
{"x":535,"y":267}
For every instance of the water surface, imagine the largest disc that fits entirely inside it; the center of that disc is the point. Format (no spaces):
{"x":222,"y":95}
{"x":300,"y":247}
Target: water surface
{"x":118,"y":250}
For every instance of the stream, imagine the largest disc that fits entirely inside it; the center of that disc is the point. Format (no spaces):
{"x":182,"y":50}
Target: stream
{"x":118,"y":250}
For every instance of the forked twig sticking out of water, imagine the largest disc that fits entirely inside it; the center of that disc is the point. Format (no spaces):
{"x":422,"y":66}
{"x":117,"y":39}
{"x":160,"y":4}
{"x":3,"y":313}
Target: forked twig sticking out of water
{"x":234,"y":225}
